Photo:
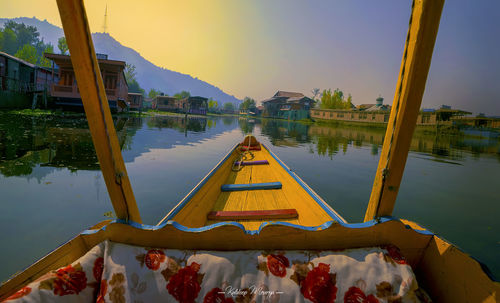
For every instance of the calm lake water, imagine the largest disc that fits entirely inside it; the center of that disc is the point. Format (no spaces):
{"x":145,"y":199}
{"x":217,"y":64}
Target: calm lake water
{"x":52,"y":189}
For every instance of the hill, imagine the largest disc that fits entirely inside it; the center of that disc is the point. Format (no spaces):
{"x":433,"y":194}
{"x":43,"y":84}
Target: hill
{"x":148,"y":75}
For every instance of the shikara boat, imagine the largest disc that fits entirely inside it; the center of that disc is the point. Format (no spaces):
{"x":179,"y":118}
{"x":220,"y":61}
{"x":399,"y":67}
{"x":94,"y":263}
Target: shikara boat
{"x":252,"y":186}
{"x":252,"y":206}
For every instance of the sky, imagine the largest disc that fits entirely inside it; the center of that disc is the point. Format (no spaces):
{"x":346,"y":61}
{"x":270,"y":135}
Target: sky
{"x":256,"y":47}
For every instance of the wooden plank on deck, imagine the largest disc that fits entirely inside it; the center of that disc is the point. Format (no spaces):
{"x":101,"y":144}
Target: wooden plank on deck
{"x":253,"y":214}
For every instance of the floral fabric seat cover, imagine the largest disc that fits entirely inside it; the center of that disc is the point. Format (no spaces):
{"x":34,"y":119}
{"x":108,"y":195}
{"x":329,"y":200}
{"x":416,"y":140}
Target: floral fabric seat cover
{"x":113,"y":272}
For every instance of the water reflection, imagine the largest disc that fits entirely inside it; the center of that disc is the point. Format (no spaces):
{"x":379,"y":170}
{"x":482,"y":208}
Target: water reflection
{"x":51,"y":142}
{"x":26,"y":142}
{"x":328,"y":140}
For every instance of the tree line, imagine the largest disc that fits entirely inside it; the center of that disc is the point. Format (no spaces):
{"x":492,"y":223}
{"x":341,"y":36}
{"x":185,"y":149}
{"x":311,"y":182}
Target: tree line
{"x":332,"y":100}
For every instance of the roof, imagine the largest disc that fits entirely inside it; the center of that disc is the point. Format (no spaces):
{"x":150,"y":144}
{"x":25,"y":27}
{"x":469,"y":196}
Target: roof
{"x":281,"y":93}
{"x":66,"y":57}
{"x":294,"y":99}
{"x":18,"y":60}
{"x":197,"y":97}
{"x":366,"y":105}
{"x":135,"y":94}
{"x":378,"y":108}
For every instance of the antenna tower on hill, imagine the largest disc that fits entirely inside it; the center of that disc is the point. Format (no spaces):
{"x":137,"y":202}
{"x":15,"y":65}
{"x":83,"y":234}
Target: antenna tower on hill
{"x":105,"y":25}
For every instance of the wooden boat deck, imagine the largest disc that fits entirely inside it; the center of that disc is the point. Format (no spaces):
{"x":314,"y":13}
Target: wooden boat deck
{"x":292,"y":195}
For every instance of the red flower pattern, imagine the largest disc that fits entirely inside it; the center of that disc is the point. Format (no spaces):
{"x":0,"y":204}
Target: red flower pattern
{"x":356,"y":295}
{"x":98,"y":268}
{"x":395,"y":254}
{"x":216,"y":295}
{"x":69,"y":281}
{"x":184,"y":286}
{"x":153,"y":258}
{"x":318,"y":285}
{"x":102,"y":292}
{"x":277,"y":265}
{"x":19,"y":294}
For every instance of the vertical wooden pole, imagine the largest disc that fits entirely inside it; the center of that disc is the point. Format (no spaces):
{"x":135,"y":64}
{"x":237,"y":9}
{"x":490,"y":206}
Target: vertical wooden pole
{"x":93,"y":94}
{"x":422,"y":32}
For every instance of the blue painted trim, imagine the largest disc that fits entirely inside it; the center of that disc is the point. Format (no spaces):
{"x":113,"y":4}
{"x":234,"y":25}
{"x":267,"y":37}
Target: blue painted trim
{"x":315,"y":196}
{"x":193,"y":192}
{"x":252,"y":186}
{"x":323,"y":226}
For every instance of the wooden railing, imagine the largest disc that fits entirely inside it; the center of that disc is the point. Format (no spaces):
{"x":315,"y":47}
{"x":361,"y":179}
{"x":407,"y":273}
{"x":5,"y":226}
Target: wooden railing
{"x":15,"y":85}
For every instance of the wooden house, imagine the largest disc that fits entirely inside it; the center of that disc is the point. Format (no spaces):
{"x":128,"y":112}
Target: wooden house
{"x":65,"y":92}
{"x":380,"y":116}
{"x":134,"y":101}
{"x":370,"y":113}
{"x":165,"y":103}
{"x":194,"y":105}
{"x":287,"y":105}
{"x":20,"y":81}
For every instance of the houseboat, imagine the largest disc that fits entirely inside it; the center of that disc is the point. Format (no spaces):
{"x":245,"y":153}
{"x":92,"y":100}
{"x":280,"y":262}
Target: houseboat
{"x":287,"y":105}
{"x":134,"y":101}
{"x":194,"y":105}
{"x":373,"y":113}
{"x":21,"y":83}
{"x":65,"y":92}
{"x":165,"y":103}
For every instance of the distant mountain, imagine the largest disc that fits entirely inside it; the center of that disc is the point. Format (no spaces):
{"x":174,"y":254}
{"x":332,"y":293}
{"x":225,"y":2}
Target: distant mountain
{"x":148,"y":75}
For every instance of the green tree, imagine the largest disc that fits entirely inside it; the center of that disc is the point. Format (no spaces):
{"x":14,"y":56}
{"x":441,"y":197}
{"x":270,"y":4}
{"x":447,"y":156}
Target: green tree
{"x":228,"y":106}
{"x":182,"y":95}
{"x":349,"y":104}
{"x":27,"y":53}
{"x":9,"y":41}
{"x":248,"y":104}
{"x":62,"y":45}
{"x":335,"y":100}
{"x":24,"y":34}
{"x":153,"y":93}
{"x":42,"y":61}
{"x":133,"y":85}
{"x":213,"y":105}
{"x":130,"y":72}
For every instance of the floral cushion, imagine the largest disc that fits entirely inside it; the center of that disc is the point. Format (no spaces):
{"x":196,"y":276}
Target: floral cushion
{"x":113,"y":272}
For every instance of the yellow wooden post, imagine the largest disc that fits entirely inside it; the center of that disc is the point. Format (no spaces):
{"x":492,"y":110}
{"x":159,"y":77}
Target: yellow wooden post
{"x":422,"y":31}
{"x":93,"y":94}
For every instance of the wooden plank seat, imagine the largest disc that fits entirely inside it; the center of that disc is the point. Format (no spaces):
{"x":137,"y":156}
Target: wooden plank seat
{"x":290,"y":213}
{"x":252,"y":147}
{"x":258,"y":162}
{"x":252,"y":186}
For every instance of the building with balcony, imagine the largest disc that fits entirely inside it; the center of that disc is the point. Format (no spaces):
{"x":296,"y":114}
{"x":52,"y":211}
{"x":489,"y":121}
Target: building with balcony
{"x":65,"y":91}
